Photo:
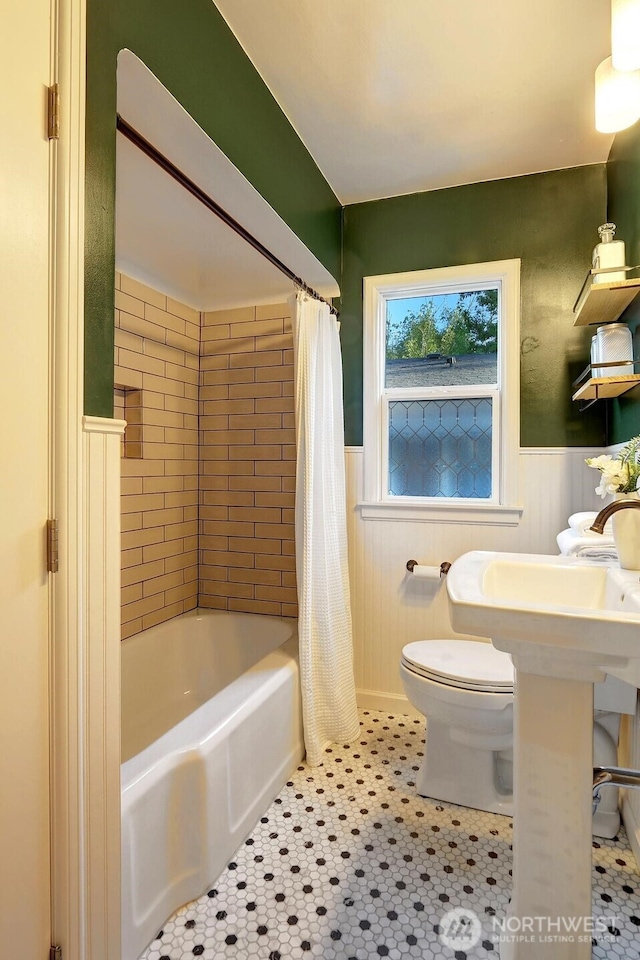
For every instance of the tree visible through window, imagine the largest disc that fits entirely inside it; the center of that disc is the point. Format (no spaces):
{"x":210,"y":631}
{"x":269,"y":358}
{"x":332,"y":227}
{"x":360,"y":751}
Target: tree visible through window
{"x":458,"y":324}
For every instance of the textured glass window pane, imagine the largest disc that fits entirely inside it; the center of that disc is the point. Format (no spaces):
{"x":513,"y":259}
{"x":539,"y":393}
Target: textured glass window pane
{"x":442,"y":340}
{"x":440,"y":448}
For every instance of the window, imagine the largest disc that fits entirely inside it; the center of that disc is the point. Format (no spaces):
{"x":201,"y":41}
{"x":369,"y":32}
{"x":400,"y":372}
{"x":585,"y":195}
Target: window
{"x":442,"y":393}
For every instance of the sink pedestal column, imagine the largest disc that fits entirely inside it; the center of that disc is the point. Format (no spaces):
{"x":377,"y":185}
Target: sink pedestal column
{"x":553,"y":738}
{"x":566,"y":622}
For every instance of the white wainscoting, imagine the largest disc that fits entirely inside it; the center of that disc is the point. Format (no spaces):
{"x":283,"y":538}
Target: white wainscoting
{"x":390,"y":608}
{"x":101,"y":707}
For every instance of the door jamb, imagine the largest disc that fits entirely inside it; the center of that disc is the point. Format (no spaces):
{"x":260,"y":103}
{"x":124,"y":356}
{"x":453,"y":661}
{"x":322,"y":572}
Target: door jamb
{"x":85,"y":814}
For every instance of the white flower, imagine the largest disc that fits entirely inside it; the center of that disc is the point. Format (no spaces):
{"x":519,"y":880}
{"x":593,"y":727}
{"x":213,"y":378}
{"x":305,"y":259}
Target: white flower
{"x":601,"y":490}
{"x":621,"y":475}
{"x":605,"y":488}
{"x":600,"y":463}
{"x":614,"y":474}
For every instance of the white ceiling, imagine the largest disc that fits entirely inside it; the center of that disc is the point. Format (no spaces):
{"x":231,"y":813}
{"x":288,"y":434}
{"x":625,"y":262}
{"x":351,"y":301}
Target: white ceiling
{"x":396,"y":96}
{"x":168,"y":239}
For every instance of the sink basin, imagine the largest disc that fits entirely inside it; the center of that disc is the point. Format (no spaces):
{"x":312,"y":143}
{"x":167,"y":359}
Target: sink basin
{"x":573,"y":605}
{"x":550,"y":584}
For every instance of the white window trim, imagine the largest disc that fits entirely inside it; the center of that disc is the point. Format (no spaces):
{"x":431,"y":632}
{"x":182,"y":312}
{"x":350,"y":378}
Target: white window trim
{"x":504,"y":509}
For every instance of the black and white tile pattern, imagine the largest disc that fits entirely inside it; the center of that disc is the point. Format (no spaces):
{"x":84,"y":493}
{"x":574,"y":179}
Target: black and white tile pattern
{"x":349,"y":863}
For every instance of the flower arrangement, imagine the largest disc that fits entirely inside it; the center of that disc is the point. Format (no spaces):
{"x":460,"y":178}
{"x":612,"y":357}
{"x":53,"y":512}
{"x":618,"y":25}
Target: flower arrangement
{"x":621,"y":475}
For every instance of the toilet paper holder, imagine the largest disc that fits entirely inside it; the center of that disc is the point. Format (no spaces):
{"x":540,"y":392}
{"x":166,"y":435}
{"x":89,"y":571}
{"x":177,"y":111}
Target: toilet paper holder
{"x":445,"y":566}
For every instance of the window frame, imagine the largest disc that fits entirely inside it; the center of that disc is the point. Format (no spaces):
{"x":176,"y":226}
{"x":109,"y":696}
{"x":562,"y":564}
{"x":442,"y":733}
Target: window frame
{"x":502,"y":507}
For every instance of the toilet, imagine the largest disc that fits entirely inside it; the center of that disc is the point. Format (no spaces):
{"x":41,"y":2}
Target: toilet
{"x":465,"y":690}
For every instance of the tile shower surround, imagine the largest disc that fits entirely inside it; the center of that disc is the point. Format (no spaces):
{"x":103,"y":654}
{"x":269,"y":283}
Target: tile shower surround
{"x":208,"y":457}
{"x":348,"y":863}
{"x":157,"y":370}
{"x":247,"y":462}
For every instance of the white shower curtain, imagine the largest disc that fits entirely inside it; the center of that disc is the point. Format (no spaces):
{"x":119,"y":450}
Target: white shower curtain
{"x":324,"y":625}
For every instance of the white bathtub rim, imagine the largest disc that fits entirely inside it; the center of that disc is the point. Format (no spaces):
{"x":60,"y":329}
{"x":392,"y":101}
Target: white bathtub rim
{"x":194,"y":732}
{"x":206,"y":650}
{"x":180,"y":626}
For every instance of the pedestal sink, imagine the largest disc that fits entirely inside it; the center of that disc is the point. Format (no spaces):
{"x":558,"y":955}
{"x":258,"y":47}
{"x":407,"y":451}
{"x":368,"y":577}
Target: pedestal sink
{"x":566,"y":623}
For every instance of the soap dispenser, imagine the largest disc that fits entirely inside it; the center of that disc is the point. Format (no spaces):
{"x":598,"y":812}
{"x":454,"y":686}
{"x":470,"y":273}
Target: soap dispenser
{"x":608,"y":253}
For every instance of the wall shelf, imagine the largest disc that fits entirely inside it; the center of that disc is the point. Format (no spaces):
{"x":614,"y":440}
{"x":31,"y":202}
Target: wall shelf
{"x":588,"y":388}
{"x":604,"y":388}
{"x":601,"y":303}
{"x":604,"y":302}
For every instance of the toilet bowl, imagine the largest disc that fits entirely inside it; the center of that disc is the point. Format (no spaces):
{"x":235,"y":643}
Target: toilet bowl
{"x":465,"y":690}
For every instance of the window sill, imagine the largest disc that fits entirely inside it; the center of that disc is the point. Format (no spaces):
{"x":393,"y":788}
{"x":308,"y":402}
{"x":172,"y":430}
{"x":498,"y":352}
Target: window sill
{"x":489,"y":513}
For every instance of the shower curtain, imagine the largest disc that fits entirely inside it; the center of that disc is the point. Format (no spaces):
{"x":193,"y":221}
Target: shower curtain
{"x":324,"y":623}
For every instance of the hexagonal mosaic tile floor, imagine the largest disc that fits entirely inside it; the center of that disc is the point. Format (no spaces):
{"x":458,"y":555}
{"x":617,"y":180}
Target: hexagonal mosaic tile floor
{"x":349,"y":863}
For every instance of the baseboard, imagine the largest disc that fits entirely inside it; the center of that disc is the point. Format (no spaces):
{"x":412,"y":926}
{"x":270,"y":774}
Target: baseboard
{"x":632,"y":826}
{"x":395,"y":703}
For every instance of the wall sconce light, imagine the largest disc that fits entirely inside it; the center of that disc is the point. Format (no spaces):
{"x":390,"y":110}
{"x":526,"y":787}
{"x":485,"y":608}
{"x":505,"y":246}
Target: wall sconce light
{"x":625,"y":34}
{"x":617,"y":97}
{"x":618,"y":77}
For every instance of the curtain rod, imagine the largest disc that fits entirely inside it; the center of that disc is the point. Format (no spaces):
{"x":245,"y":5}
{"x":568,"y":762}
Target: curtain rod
{"x":165,"y":164}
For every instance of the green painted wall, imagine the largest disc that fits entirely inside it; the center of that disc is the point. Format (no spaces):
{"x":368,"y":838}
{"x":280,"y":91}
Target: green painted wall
{"x":623,"y":178}
{"x":550,"y":221}
{"x":189,"y":47}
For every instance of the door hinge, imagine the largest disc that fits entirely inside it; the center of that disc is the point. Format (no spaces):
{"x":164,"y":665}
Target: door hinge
{"x":52,"y":549}
{"x":53,"y":112}
{"x":55,"y":953}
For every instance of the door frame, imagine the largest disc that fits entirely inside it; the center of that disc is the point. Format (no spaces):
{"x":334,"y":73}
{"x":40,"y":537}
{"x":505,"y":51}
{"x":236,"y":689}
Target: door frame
{"x":85,"y":680}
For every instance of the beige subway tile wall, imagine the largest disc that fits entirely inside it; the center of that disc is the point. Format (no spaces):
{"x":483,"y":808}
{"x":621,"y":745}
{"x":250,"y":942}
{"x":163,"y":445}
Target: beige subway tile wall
{"x":247,"y":461}
{"x":157,"y":346}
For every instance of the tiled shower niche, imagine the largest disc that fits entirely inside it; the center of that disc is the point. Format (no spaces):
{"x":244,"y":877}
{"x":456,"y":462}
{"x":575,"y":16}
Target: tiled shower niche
{"x":208,"y":458}
{"x":127,"y":405}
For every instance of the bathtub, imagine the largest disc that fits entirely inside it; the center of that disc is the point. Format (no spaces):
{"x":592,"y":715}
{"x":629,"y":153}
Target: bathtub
{"x":211,"y":730}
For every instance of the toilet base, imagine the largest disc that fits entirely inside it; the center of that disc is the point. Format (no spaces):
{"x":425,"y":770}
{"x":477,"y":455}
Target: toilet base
{"x":456,"y":773}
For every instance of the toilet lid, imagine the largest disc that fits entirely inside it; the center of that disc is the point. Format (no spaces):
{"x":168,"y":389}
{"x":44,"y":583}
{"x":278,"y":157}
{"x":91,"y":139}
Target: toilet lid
{"x":461,"y":663}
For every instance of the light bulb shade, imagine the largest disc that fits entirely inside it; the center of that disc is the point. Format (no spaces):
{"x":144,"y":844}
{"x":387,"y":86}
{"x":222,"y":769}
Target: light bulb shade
{"x":625,"y":34}
{"x":617,"y":98}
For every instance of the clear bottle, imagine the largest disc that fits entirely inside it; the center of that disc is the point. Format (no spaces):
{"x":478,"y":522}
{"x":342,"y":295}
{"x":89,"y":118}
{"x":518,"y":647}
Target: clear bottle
{"x":608,"y":253}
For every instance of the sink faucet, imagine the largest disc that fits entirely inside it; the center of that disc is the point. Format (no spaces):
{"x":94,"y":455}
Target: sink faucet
{"x":598,"y":524}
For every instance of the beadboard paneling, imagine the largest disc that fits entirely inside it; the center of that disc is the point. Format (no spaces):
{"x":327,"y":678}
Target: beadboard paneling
{"x":390,"y":608}
{"x":100,"y":708}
